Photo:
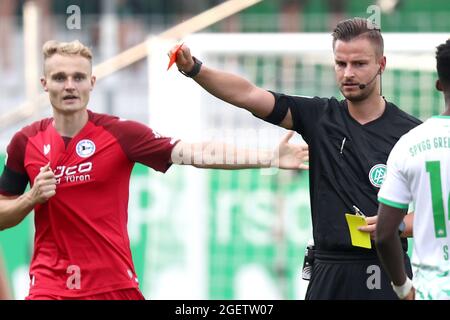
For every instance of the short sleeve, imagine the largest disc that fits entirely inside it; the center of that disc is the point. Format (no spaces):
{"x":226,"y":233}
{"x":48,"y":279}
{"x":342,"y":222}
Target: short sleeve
{"x":142,"y":144}
{"x":395,"y":190}
{"x":305,"y":111}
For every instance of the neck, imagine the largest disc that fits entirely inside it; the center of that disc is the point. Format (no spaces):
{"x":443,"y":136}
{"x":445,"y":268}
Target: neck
{"x":368,"y":109}
{"x":68,"y":125}
{"x":447,"y":104}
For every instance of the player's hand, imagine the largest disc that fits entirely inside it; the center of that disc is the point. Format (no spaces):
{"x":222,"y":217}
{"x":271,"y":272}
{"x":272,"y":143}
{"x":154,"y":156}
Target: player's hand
{"x":290,"y":156}
{"x":371,"y":226}
{"x":44,"y":186}
{"x":184,"y":59}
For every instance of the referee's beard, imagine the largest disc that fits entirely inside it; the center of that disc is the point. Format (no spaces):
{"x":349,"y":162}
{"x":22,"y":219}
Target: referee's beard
{"x":360,"y":95}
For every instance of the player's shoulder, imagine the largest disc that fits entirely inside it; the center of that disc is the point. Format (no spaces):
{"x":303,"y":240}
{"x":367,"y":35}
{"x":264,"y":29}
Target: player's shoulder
{"x":102,"y":119}
{"x":34,"y":128}
{"x":117,"y":126}
{"x":108,"y":121}
{"x":428,"y":127}
{"x":413,"y":135}
{"x":20,"y":139}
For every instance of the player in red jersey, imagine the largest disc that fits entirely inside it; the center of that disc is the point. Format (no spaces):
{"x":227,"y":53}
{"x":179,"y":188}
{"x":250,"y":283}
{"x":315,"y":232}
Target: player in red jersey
{"x":79,"y":164}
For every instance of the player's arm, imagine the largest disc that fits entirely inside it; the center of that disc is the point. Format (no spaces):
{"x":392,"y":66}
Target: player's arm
{"x":13,"y":209}
{"x":388,"y":243}
{"x":231,"y":88}
{"x":214,"y":155}
{"x":5,"y":292}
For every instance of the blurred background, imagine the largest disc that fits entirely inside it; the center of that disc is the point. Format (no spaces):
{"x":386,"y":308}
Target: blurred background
{"x":205,"y":234}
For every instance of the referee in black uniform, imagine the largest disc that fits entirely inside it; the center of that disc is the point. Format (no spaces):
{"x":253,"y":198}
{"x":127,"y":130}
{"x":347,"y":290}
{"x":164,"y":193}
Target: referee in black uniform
{"x":349,"y":143}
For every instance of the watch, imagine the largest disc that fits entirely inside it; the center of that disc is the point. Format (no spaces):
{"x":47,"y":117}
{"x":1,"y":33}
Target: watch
{"x":195,"y":70}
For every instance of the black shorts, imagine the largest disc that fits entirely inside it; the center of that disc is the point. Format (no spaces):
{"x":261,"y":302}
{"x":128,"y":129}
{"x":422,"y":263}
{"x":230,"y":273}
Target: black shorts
{"x":350,"y":276}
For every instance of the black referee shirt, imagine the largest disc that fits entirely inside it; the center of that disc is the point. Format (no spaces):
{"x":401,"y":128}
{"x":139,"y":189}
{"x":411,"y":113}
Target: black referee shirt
{"x":347,"y":161}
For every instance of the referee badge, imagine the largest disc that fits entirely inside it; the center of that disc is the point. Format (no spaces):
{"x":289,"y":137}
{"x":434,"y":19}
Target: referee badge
{"x":377,"y":175}
{"x":85,"y":148}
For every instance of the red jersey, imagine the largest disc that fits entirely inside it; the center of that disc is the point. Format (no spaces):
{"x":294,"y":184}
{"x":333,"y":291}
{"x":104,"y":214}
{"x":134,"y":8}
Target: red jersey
{"x":81,"y":244}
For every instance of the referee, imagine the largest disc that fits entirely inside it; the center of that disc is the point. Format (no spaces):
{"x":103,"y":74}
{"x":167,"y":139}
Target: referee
{"x":349,"y":142}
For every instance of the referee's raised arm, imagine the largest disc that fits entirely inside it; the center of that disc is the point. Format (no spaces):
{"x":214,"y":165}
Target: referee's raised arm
{"x":230,"y":87}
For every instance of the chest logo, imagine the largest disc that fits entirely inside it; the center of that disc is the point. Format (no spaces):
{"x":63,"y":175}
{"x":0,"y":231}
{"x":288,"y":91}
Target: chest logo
{"x":377,"y":175}
{"x":46,"y":149}
{"x":85,"y":148}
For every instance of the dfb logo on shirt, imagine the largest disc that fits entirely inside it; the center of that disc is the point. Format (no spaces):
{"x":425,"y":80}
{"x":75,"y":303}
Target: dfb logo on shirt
{"x":85,"y":148}
{"x":377,"y":175}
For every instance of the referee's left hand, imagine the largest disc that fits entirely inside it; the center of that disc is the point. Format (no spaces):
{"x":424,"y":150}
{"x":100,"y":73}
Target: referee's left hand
{"x":371,"y":226}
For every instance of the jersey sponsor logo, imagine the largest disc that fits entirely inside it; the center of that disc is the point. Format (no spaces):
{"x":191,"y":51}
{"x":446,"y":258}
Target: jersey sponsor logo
{"x":377,"y":175}
{"x":78,"y":173}
{"x":46,"y":149}
{"x":85,"y":148}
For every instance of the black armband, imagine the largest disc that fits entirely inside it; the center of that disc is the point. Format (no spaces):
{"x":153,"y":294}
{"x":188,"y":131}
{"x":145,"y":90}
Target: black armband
{"x":278,"y":114}
{"x":12,"y":182}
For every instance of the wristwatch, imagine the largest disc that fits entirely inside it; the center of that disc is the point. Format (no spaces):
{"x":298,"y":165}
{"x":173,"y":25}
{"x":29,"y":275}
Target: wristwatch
{"x":195,"y":70}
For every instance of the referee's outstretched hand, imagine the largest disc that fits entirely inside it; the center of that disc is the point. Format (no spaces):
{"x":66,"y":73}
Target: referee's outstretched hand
{"x":291,"y":156}
{"x":44,"y":186}
{"x":184,"y":59}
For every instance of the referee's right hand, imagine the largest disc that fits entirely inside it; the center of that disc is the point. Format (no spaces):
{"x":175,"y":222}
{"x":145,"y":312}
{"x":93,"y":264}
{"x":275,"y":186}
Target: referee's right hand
{"x":44,"y":186}
{"x":184,"y":60}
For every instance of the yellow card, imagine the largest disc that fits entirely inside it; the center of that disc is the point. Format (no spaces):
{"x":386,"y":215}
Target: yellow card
{"x":359,"y":238}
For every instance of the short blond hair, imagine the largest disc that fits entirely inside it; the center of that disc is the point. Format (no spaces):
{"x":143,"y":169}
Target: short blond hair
{"x":53,"y":47}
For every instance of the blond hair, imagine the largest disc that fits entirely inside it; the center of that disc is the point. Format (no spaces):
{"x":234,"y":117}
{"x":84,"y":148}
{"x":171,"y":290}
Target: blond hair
{"x":53,"y":47}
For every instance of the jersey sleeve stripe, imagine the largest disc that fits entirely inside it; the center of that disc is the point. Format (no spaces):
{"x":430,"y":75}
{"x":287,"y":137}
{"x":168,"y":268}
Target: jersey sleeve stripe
{"x":393,"y":204}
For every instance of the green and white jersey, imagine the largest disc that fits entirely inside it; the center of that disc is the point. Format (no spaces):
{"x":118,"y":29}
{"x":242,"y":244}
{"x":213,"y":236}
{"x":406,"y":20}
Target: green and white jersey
{"x":418,"y":171}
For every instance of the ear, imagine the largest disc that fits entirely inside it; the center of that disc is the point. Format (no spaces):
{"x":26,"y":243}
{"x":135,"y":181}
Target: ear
{"x":44,"y":83}
{"x":93,"y":81}
{"x":439,"y":86}
{"x":382,"y":64}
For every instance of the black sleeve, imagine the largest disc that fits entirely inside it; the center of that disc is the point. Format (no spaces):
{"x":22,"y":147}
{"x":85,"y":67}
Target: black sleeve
{"x":305,"y":111}
{"x":12,"y":183}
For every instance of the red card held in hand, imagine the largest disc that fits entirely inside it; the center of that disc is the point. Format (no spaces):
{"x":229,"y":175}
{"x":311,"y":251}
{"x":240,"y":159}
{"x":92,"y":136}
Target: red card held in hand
{"x":173,"y":56}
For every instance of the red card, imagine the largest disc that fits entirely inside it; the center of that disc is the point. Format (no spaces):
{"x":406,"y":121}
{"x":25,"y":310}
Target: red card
{"x":173,"y":56}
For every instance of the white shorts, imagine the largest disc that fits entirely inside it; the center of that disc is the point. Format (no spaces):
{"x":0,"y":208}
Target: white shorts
{"x":431,"y":283}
